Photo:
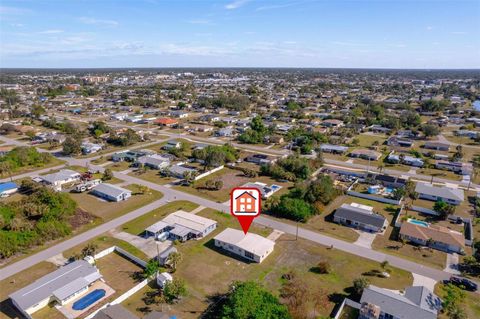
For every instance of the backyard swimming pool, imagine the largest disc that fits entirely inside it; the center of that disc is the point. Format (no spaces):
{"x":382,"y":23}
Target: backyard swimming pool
{"x":417,"y":222}
{"x":89,"y":299}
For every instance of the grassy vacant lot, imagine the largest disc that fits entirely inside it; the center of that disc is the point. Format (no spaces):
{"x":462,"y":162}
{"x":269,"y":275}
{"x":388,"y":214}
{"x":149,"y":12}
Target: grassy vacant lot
{"x":366,"y":140}
{"x":438,"y":173}
{"x":23,"y":170}
{"x":208,"y":271}
{"x":109,"y":210}
{"x":119,"y":166}
{"x":18,"y":281}
{"x":153,"y":175}
{"x":231,"y":178}
{"x":139,"y":224}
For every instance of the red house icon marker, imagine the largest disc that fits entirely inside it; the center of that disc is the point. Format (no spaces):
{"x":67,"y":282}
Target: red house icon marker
{"x":246,"y":203}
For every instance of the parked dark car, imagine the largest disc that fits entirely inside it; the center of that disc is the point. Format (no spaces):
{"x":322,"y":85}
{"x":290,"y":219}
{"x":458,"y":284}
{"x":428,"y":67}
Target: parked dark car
{"x":463,"y":283}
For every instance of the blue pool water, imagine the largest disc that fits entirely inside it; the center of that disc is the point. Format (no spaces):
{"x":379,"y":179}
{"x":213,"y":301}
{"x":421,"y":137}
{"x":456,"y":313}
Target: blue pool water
{"x":275,"y":187}
{"x":89,"y":299}
{"x":417,"y":222}
{"x":388,"y":190}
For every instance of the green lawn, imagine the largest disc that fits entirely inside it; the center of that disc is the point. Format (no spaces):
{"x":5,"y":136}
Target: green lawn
{"x":366,"y":140}
{"x":152,"y":175}
{"x":138,"y":225}
{"x":109,"y":210}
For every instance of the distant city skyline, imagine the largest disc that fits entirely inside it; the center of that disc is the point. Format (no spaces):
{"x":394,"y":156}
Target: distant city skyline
{"x":430,"y":34}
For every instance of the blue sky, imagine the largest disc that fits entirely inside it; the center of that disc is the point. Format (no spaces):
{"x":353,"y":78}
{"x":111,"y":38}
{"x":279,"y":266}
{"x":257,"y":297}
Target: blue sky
{"x":240,"y":33}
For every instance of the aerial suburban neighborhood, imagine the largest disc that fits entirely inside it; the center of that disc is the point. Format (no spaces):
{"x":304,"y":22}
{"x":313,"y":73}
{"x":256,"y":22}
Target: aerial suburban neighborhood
{"x":115,"y":193}
{"x":240,"y":159}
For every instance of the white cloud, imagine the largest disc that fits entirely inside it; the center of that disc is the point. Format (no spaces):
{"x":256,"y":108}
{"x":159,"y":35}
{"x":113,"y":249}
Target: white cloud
{"x":4,"y":10}
{"x":429,"y":28}
{"x":17,"y":25}
{"x":276,"y":6}
{"x":236,"y":4}
{"x":199,"y":21}
{"x":53,"y":31}
{"x":458,"y":32}
{"x":88,"y":20}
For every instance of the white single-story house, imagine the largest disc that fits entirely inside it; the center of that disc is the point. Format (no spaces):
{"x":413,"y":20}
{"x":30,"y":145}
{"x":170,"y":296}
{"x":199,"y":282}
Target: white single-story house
{"x":8,"y":188}
{"x":454,"y":196}
{"x":60,"y":286}
{"x":179,"y":171}
{"x":250,"y":246}
{"x":183,"y":226}
{"x":89,"y":148}
{"x":154,"y":161}
{"x":172,"y":144}
{"x":56,"y":180}
{"x":334,"y":149}
{"x":407,"y":160}
{"x":111,"y":192}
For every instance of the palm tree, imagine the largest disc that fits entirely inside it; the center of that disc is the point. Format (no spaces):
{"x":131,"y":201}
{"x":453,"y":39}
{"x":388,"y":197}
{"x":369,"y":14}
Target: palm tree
{"x":174,"y":259}
{"x":380,"y":168}
{"x":89,"y":250}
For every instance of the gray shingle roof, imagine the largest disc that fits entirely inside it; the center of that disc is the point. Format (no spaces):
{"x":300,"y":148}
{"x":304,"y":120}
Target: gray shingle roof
{"x":360,"y":215}
{"x":443,"y":192}
{"x":417,"y":303}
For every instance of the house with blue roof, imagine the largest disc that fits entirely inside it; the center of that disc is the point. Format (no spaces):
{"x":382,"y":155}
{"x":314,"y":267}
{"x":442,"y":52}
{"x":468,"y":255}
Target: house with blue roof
{"x":7,"y":189}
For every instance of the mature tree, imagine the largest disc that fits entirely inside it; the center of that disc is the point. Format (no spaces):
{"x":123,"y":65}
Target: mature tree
{"x":72,"y":146}
{"x":107,"y":174}
{"x":398,"y":193}
{"x":249,"y":300}
{"x":293,"y":208}
{"x":443,"y":208}
{"x":321,"y":189}
{"x":174,"y":290}
{"x":430,"y":130}
{"x":359,"y":284}
{"x":89,"y":250}
{"x":151,"y":268}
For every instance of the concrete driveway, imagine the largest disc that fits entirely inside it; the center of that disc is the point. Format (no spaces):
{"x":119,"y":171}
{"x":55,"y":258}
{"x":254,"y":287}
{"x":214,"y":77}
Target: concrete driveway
{"x":148,"y":245}
{"x":451,"y":264}
{"x":419,"y":280}
{"x":365,"y":239}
